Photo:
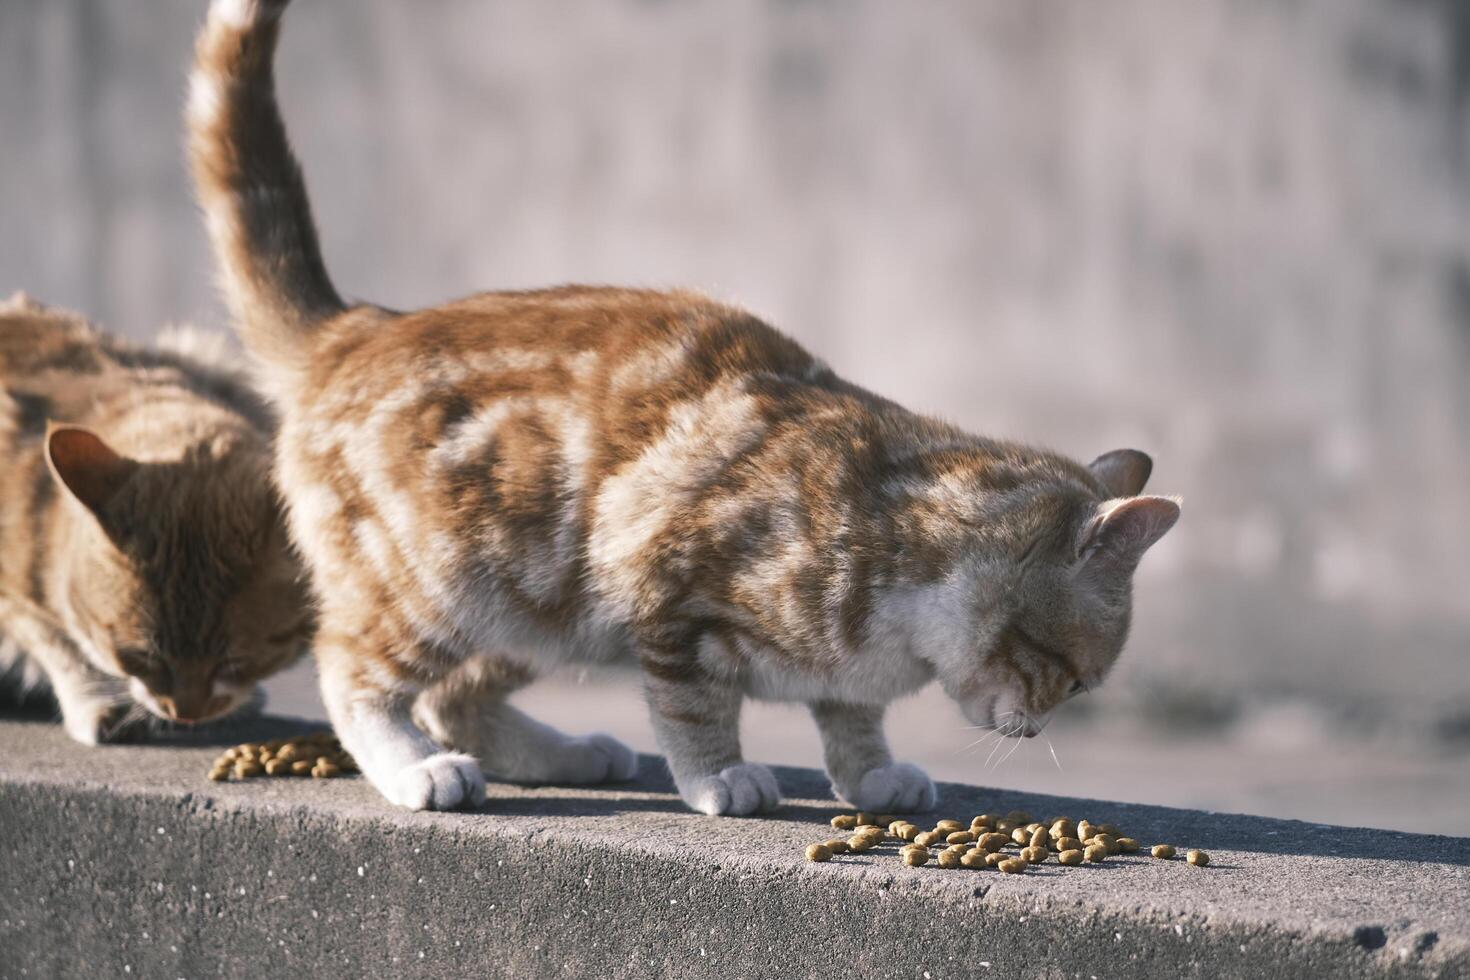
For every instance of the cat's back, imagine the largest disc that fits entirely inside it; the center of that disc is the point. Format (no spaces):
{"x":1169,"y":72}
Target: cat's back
{"x":57,"y":367}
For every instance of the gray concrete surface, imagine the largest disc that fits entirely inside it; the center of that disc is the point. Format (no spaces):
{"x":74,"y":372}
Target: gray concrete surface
{"x":126,"y":861}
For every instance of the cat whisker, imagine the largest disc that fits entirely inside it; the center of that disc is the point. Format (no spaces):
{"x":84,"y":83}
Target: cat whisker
{"x":1053,"y":749}
{"x":1005,"y":758}
{"x":1010,"y":729}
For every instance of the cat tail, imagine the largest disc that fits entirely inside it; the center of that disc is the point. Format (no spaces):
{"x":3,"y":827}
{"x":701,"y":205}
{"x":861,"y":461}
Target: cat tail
{"x":251,"y":189}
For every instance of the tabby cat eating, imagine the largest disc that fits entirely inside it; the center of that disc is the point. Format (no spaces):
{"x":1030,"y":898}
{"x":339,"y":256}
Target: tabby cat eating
{"x":145,"y":570}
{"x":518,"y":480}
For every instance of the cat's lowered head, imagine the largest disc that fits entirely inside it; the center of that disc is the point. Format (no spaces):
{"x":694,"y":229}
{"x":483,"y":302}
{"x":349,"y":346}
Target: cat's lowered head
{"x":144,"y":565}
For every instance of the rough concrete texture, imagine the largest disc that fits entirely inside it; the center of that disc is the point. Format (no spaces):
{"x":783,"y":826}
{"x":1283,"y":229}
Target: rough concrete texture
{"x":126,"y":861}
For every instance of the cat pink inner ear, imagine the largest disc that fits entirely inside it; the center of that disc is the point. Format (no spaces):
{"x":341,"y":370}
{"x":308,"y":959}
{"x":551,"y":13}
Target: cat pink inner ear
{"x":1122,"y":471}
{"x":86,"y":465}
{"x":1125,"y":528}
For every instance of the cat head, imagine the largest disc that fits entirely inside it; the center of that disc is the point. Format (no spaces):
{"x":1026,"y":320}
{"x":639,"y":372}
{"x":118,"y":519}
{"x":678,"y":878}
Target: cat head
{"x":1049,"y":623}
{"x":178,"y":576}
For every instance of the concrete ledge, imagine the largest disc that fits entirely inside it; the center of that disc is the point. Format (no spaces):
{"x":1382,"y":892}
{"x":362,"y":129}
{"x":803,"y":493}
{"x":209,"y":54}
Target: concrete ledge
{"x":128,"y":862}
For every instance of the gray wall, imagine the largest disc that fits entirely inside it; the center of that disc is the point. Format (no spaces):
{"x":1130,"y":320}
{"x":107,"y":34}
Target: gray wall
{"x":1230,"y":232}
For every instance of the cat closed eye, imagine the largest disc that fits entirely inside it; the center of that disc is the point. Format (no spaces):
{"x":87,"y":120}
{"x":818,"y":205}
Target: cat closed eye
{"x":1077,"y":688}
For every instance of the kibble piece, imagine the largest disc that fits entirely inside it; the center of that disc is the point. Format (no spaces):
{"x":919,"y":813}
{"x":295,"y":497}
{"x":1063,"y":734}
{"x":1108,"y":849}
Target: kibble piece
{"x":836,"y":845}
{"x":1110,"y":829}
{"x":994,"y":859}
{"x":949,"y":826}
{"x":863,"y":818}
{"x":1164,"y":851}
{"x":245,"y":769}
{"x":1062,"y":828}
{"x":1004,"y":826}
{"x":1020,"y":836}
{"x":818,"y":852}
{"x":916,"y":857}
{"x":301,"y":767}
{"x":960,"y":837}
{"x":1013,"y":866}
{"x":975,"y":859}
{"x":844,"y":821}
{"x":1127,"y":845}
{"x":1068,"y":844}
{"x":858,"y":843}
{"x":276,"y":767}
{"x":1039,"y":838}
{"x":983,"y":820}
{"x":1197,"y":858}
{"x":1105,"y":841}
{"x":1035,"y":828}
{"x":1035,"y":855}
{"x":1019,"y":817}
{"x":885,"y":819}
{"x":1085,"y":829}
{"x":993,"y":842}
{"x":219,"y":775}
{"x":1095,"y":853}
{"x":1070,"y":857}
{"x":949,"y":859}
{"x":324,"y":770}
{"x":929,"y":837}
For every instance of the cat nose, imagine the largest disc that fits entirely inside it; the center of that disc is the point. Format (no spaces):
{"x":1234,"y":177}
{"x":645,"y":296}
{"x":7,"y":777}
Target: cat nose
{"x":192,"y":709}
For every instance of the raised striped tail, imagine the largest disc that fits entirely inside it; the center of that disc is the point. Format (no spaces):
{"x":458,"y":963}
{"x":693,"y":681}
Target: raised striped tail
{"x":251,"y":189}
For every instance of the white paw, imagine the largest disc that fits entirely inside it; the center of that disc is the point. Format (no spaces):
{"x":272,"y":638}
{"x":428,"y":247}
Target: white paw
{"x":596,"y":758}
{"x":90,"y":721}
{"x":440,"y":782}
{"x":899,"y":787}
{"x":737,"y":791}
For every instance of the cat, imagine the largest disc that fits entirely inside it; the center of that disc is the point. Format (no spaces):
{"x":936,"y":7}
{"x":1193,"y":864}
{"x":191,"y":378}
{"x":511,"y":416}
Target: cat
{"x":145,"y":570}
{"x":518,"y":480}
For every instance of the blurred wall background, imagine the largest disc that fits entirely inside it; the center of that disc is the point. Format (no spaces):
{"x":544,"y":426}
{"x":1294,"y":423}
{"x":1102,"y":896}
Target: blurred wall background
{"x":1233,"y":233}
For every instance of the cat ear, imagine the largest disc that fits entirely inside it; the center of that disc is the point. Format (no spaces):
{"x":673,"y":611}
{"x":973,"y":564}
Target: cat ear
{"x":85,"y":465}
{"x":1122,"y":471}
{"x":1123,"y":529}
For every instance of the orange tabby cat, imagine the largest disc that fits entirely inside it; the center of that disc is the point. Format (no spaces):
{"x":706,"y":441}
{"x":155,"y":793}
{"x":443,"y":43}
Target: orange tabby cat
{"x":144,"y":565}
{"x":596,"y":475}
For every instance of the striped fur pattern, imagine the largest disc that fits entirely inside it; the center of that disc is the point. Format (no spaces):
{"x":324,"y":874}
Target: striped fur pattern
{"x":145,"y":571}
{"x":518,"y":480}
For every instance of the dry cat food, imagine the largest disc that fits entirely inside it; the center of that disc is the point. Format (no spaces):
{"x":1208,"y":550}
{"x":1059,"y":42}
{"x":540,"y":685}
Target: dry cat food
{"x":1013,"y":843}
{"x":318,"y":755}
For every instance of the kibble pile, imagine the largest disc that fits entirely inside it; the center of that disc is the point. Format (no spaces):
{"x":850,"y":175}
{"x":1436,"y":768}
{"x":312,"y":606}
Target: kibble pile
{"x":1011,"y":843}
{"x":318,"y":755}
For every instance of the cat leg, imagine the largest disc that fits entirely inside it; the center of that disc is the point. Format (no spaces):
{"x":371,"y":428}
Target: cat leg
{"x":93,"y":704}
{"x":697,"y":721}
{"x":858,"y":761}
{"x":369,"y":696}
{"x":467,"y":711}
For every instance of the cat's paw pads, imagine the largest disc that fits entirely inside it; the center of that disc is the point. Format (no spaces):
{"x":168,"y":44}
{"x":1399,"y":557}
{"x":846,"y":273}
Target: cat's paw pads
{"x":737,"y":791}
{"x":446,"y":781}
{"x":900,"y":787}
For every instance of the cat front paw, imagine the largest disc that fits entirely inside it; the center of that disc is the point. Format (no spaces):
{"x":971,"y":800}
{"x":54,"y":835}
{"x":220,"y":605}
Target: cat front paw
{"x":446,"y":781}
{"x":737,"y":791}
{"x":93,"y":721}
{"x":899,"y":787}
